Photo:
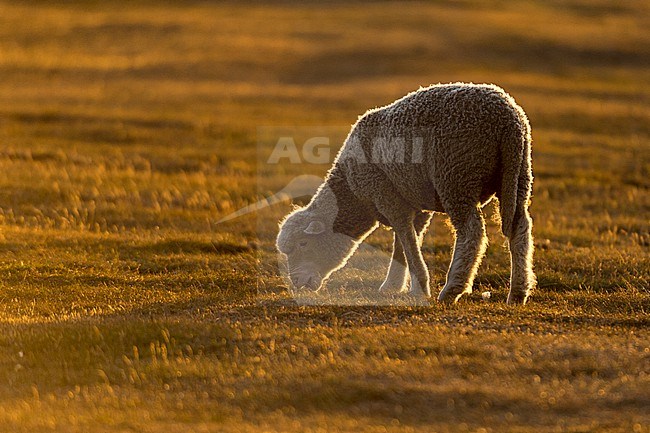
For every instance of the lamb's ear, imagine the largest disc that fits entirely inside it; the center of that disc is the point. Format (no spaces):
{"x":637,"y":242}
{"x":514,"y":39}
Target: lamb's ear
{"x":315,"y":228}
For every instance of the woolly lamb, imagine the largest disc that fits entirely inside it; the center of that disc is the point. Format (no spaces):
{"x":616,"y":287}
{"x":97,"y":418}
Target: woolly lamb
{"x":446,"y":148}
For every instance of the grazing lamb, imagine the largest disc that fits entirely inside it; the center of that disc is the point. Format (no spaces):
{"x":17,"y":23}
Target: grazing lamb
{"x":446,"y":148}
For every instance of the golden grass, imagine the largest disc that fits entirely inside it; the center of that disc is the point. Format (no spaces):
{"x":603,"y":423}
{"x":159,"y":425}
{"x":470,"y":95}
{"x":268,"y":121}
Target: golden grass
{"x":128,"y":129}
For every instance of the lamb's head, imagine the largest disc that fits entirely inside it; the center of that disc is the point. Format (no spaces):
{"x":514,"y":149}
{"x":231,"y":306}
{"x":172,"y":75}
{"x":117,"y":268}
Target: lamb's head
{"x":312,"y":248}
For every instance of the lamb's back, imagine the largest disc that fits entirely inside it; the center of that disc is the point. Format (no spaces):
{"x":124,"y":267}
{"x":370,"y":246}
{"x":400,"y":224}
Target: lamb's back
{"x":434,"y":141}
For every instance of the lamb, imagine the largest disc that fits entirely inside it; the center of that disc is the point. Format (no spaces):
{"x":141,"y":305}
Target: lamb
{"x":446,"y":148}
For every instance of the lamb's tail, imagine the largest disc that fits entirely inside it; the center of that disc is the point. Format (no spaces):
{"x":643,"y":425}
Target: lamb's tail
{"x":516,"y":177}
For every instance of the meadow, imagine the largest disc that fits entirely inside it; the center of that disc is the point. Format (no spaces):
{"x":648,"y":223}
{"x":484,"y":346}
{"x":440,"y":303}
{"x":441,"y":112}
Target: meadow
{"x":128,"y":129}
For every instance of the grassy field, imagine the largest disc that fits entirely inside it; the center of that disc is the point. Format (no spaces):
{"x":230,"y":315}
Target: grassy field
{"x":127,"y":129}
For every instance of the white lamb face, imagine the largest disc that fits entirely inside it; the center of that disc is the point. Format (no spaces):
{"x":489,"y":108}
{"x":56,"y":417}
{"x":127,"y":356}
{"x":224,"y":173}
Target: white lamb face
{"x":312,"y":249}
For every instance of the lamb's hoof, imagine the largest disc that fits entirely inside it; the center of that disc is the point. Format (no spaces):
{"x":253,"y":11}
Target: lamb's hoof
{"x":517,"y":298}
{"x":417,"y":291}
{"x":450,"y":296}
{"x":418,"y":294}
{"x":392,"y":288}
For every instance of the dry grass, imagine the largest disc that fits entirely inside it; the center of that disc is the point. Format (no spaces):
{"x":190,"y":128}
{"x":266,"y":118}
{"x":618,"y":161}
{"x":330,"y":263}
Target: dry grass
{"x":128,"y":129}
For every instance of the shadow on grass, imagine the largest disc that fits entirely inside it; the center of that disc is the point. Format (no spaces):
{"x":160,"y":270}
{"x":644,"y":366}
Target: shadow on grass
{"x":390,"y":398}
{"x":542,"y":316}
{"x":499,"y":51}
{"x":188,"y":247}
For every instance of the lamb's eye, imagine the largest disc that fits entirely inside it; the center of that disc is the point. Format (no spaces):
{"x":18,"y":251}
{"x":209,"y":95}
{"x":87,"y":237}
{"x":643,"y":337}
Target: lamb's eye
{"x":302,"y":243}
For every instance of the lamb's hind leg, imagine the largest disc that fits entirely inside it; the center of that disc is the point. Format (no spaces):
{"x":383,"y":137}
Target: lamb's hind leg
{"x":522,"y":278}
{"x":469,"y":248}
{"x":396,"y":277}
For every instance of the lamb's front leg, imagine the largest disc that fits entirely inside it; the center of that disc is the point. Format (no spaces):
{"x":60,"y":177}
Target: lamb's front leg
{"x":396,"y":277}
{"x":402,"y":218}
{"x":417,"y":267}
